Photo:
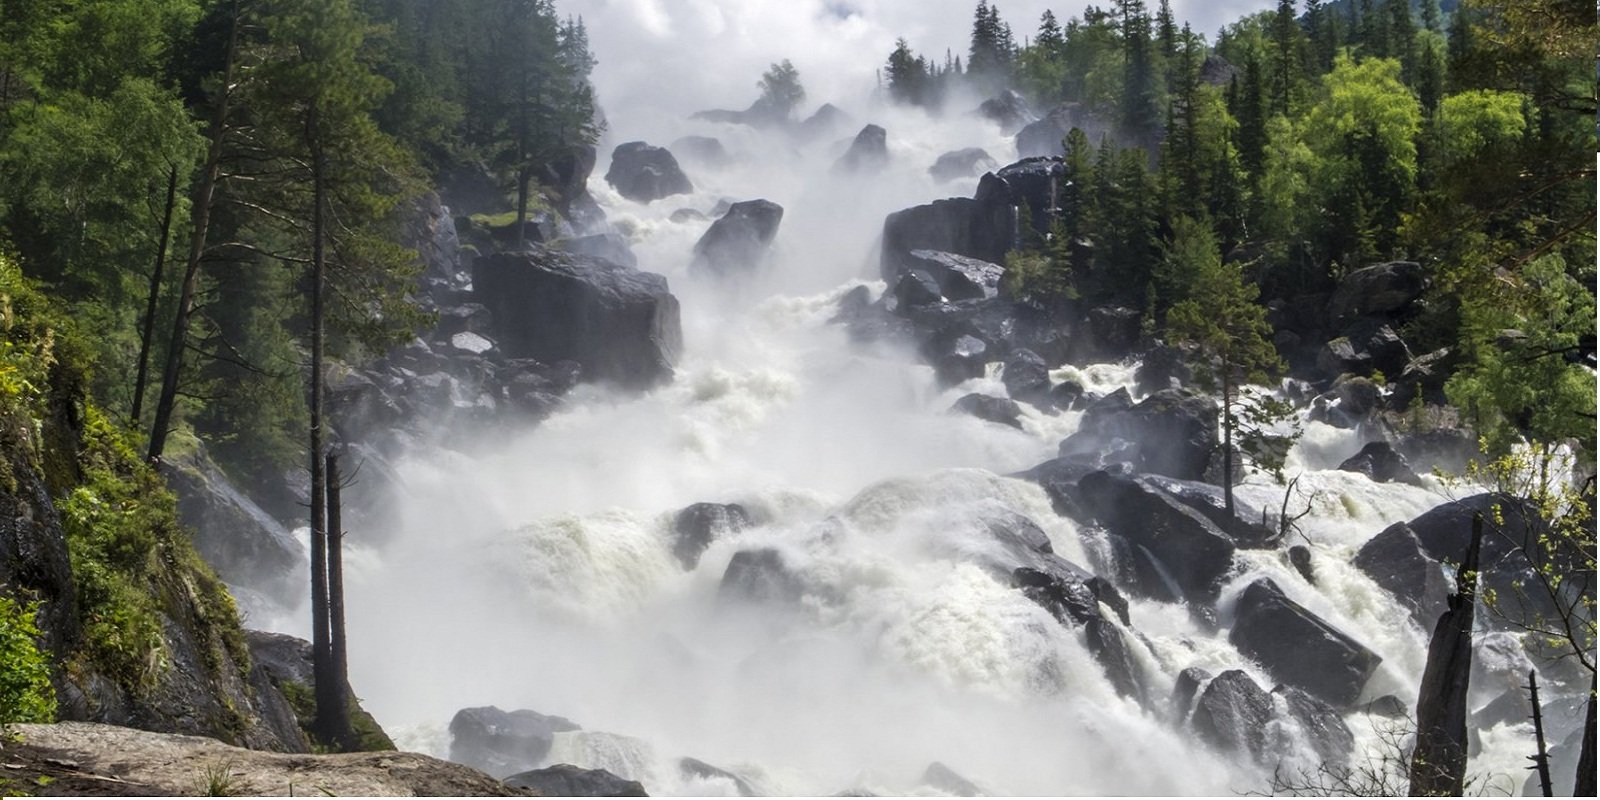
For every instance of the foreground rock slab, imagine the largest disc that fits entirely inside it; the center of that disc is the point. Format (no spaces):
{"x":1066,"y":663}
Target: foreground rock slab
{"x":84,"y":758}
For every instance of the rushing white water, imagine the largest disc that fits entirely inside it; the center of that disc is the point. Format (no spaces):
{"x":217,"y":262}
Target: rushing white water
{"x":536,"y":571}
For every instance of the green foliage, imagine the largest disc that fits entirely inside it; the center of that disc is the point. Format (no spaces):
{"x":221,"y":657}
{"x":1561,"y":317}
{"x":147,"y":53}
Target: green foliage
{"x":780,"y":87}
{"x":25,"y":691}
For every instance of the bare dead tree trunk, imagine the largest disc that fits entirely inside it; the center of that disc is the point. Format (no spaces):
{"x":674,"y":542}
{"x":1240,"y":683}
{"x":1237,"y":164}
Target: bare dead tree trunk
{"x":1439,"y":762}
{"x":338,"y":672}
{"x":1227,"y":440}
{"x":204,"y":198}
{"x":147,"y":333}
{"x":1541,"y":759}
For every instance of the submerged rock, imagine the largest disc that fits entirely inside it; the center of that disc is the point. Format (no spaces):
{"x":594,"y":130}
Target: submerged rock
{"x":695,"y":768}
{"x":1299,"y":648}
{"x":760,"y":576}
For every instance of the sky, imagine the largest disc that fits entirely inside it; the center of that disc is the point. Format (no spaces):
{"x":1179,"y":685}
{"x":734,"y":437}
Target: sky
{"x":678,"y":56}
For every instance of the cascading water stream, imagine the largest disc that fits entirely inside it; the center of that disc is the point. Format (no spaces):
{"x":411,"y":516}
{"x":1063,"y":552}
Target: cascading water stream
{"x":536,"y":571}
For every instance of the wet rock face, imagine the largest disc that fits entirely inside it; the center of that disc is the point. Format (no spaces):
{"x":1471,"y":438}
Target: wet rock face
{"x":868,"y":153}
{"x":697,"y":526}
{"x":503,"y":742}
{"x":1232,"y":714}
{"x":1009,"y":110}
{"x":642,"y":173}
{"x":1380,"y":462}
{"x":620,"y":324}
{"x":999,"y":410}
{"x":738,"y":241}
{"x":244,"y":544}
{"x":566,"y":780}
{"x":1299,"y":648}
{"x":957,"y":164}
{"x":1177,"y":552}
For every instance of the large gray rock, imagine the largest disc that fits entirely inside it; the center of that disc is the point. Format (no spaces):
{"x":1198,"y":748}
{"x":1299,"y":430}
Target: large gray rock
{"x":738,"y":241}
{"x":999,"y":410}
{"x":943,"y":225}
{"x":760,"y":576}
{"x":958,"y":277}
{"x":619,"y":324}
{"x":1175,"y":432}
{"x":1009,"y":110}
{"x":696,"y":527}
{"x":707,"y":150}
{"x":1044,"y":137}
{"x":642,"y":173}
{"x":868,"y":153}
{"x":244,"y":544}
{"x":969,"y":162}
{"x":503,"y":742}
{"x":1380,"y":462}
{"x":1376,"y":290}
{"x":566,"y":780}
{"x":1232,"y":714}
{"x":1299,"y":648}
{"x":1177,"y":553}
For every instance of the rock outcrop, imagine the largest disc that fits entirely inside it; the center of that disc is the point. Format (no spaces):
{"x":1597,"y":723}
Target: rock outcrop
{"x":619,"y":324}
{"x":868,"y":153}
{"x":738,"y":241}
{"x":643,"y":173}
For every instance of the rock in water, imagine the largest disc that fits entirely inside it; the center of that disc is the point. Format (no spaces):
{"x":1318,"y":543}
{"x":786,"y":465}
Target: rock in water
{"x":619,"y":324}
{"x":966,"y":163}
{"x":1322,"y":724}
{"x":760,"y":576}
{"x":945,"y":779}
{"x":737,"y":242}
{"x":868,"y":153}
{"x":642,"y":173}
{"x":999,"y":410}
{"x":706,"y":150}
{"x":697,"y":526}
{"x":1299,"y":648}
{"x":503,"y":742}
{"x":1232,"y":714}
{"x":695,"y":768}
{"x":1178,"y":553}
{"x":565,"y":780}
{"x":1380,"y":462}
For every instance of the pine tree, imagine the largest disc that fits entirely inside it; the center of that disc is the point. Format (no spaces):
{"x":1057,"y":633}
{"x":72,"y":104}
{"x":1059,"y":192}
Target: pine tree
{"x":1141,"y":109}
{"x":1286,"y":57}
{"x":1252,"y":119}
{"x":908,"y":75}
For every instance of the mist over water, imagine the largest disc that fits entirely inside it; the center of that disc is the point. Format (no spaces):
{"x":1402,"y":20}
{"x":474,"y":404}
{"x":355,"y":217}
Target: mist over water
{"x":535,"y":570}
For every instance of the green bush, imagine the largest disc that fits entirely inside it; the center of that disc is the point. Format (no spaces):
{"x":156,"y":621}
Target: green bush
{"x":25,"y":691}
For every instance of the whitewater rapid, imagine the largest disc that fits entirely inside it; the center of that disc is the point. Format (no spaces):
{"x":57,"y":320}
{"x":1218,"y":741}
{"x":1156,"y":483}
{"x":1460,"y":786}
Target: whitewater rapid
{"x":535,"y":570}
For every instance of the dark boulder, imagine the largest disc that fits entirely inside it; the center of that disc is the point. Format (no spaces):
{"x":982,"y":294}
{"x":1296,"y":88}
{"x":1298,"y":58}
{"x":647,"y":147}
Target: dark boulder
{"x":940,"y":777}
{"x":1027,"y":377}
{"x":956,"y":359}
{"x":695,"y":768}
{"x":1009,"y":110}
{"x":1107,"y":333}
{"x":1298,"y":648}
{"x":706,"y":150}
{"x":1033,"y":186}
{"x":1379,"y":461}
{"x":999,"y":410}
{"x":958,"y":277}
{"x":1365,"y":347}
{"x":1164,"y":367}
{"x":916,"y":288}
{"x":868,"y":153}
{"x":503,"y":742}
{"x":738,"y":240}
{"x":1059,"y":478}
{"x":966,"y":163}
{"x":1175,"y":432}
{"x":566,"y":780}
{"x":642,"y":173}
{"x":1300,"y":559}
{"x":1244,"y":526}
{"x":620,"y":324}
{"x":697,"y":526}
{"x":827,"y":120}
{"x":1186,"y":689}
{"x":1322,"y":724}
{"x":1044,"y":137}
{"x":1177,"y":552}
{"x":1232,"y":714}
{"x":760,"y":576}
{"x":1376,"y":289}
{"x":944,"y":225}
{"x":1395,"y":560}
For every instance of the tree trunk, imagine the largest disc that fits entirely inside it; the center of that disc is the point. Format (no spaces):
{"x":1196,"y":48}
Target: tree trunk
{"x":1439,"y":762}
{"x":1584,"y":785}
{"x":523,"y":175}
{"x":338,"y":672}
{"x":148,"y":332}
{"x":326,"y":694}
{"x":1227,"y":442}
{"x":205,"y":194}
{"x":1541,"y":756}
